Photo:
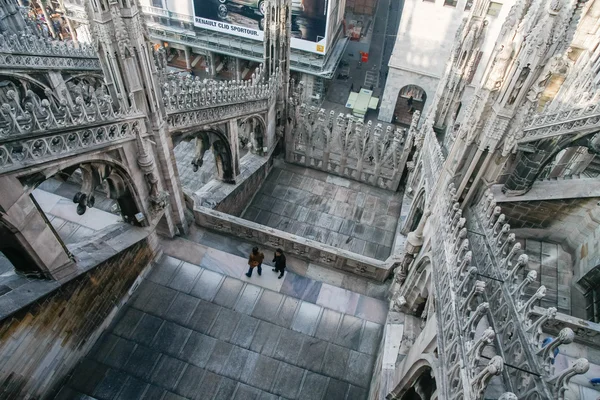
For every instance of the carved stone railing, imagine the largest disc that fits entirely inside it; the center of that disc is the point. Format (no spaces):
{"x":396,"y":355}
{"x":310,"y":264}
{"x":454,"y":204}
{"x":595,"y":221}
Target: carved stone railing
{"x":586,"y":332}
{"x":181,"y":93}
{"x":211,"y":115}
{"x":20,"y":153}
{"x":460,"y":307}
{"x":35,"y":116}
{"x":307,"y":249}
{"x":434,"y":152}
{"x":496,"y":258}
{"x":347,"y":147}
{"x":562,"y":123}
{"x":28,"y":50}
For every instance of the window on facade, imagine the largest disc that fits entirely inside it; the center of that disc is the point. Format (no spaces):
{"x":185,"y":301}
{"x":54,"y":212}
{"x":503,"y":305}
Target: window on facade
{"x":593,"y":304}
{"x":591,"y":284}
{"x":157,"y":3}
{"x":451,"y":3}
{"x":494,"y":9}
{"x":429,"y":1}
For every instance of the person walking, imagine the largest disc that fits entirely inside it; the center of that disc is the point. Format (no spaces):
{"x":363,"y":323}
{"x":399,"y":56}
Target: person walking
{"x":255,"y":261}
{"x":410,"y":101}
{"x":279,"y":260}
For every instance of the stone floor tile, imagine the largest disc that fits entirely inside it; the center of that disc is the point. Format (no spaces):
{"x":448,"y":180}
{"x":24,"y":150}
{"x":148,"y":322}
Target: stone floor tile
{"x":371,"y":309}
{"x":357,"y":393}
{"x":244,"y":332}
{"x":154,"y":392}
{"x":288,"y":381}
{"x":219,"y":356}
{"x":234,"y":366}
{"x":167,"y":372}
{"x":263,"y":373}
{"x":313,"y":387}
{"x":349,"y":331}
{"x":185,"y":277}
{"x":197,"y":349}
{"x":142,"y":362}
{"x":328,"y":325}
{"x":359,"y":369}
{"x":189,"y":383}
{"x":182,"y":308}
{"x":226,"y":389}
{"x":248,"y":298}
{"x":172,"y":396}
{"x":286,"y":312}
{"x":383,"y":252}
{"x":207,"y":285}
{"x":338,"y":299}
{"x":354,"y":284}
{"x":163,"y":271}
{"x":312,"y":354}
{"x":146,"y":329}
{"x":268,"y":396}
{"x":371,"y":338}
{"x":170,"y":338}
{"x":103,"y":347}
{"x":209,"y":386}
{"x":228,"y":292}
{"x":132,"y":389}
{"x":370,"y":249}
{"x":288,"y":347}
{"x":225,"y":324}
{"x":268,"y":305}
{"x":126,"y":324}
{"x":158,"y":302}
{"x":204,"y":316}
{"x":245,"y":392}
{"x":336,"y":359}
{"x":301,"y":287}
{"x":88,"y":374}
{"x":266,"y":338}
{"x":120,"y":353}
{"x":336,"y":389}
{"x":110,"y":385}
{"x":306,"y":318}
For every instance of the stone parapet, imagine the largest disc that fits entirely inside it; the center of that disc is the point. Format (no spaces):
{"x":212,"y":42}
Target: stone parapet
{"x":48,"y":326}
{"x":586,"y":332}
{"x":306,"y":249}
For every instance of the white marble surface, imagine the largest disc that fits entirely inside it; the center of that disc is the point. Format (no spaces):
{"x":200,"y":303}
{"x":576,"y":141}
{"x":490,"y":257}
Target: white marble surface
{"x":393,"y":337}
{"x":338,"y":299}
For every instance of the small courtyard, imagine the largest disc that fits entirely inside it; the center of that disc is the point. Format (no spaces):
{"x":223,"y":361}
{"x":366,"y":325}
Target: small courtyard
{"x":331,"y":210}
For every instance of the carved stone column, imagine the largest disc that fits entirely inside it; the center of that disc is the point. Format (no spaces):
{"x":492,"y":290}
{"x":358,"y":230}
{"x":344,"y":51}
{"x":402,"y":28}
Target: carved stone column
{"x":188,"y":62}
{"x":234,"y":143}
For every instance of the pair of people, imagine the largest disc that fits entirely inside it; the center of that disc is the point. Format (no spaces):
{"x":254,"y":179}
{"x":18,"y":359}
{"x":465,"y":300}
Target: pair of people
{"x":256,"y":258}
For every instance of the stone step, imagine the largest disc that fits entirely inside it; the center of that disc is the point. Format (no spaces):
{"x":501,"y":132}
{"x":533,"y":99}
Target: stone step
{"x":193,"y":332}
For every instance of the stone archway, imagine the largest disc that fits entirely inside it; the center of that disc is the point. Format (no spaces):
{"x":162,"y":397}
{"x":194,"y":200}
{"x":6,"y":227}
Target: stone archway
{"x":530,"y":163}
{"x":252,"y":135}
{"x":28,"y":234}
{"x":416,"y":212}
{"x":411,"y":98}
{"x":196,"y":164}
{"x":419,"y":383}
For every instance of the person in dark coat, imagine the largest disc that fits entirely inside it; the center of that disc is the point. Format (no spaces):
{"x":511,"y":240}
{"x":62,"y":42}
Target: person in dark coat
{"x":279,"y":261}
{"x":255,"y":261}
{"x":410,"y":101}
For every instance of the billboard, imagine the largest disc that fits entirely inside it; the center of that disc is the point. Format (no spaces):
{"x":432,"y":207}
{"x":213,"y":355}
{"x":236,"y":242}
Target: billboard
{"x":245,"y":18}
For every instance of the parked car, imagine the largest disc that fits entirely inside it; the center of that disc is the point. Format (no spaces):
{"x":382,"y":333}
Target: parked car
{"x":256,"y":5}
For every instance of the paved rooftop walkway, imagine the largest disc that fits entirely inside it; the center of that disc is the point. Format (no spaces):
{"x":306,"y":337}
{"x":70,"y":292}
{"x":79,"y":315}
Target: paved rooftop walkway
{"x":331,"y":210}
{"x":201,"y":332}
